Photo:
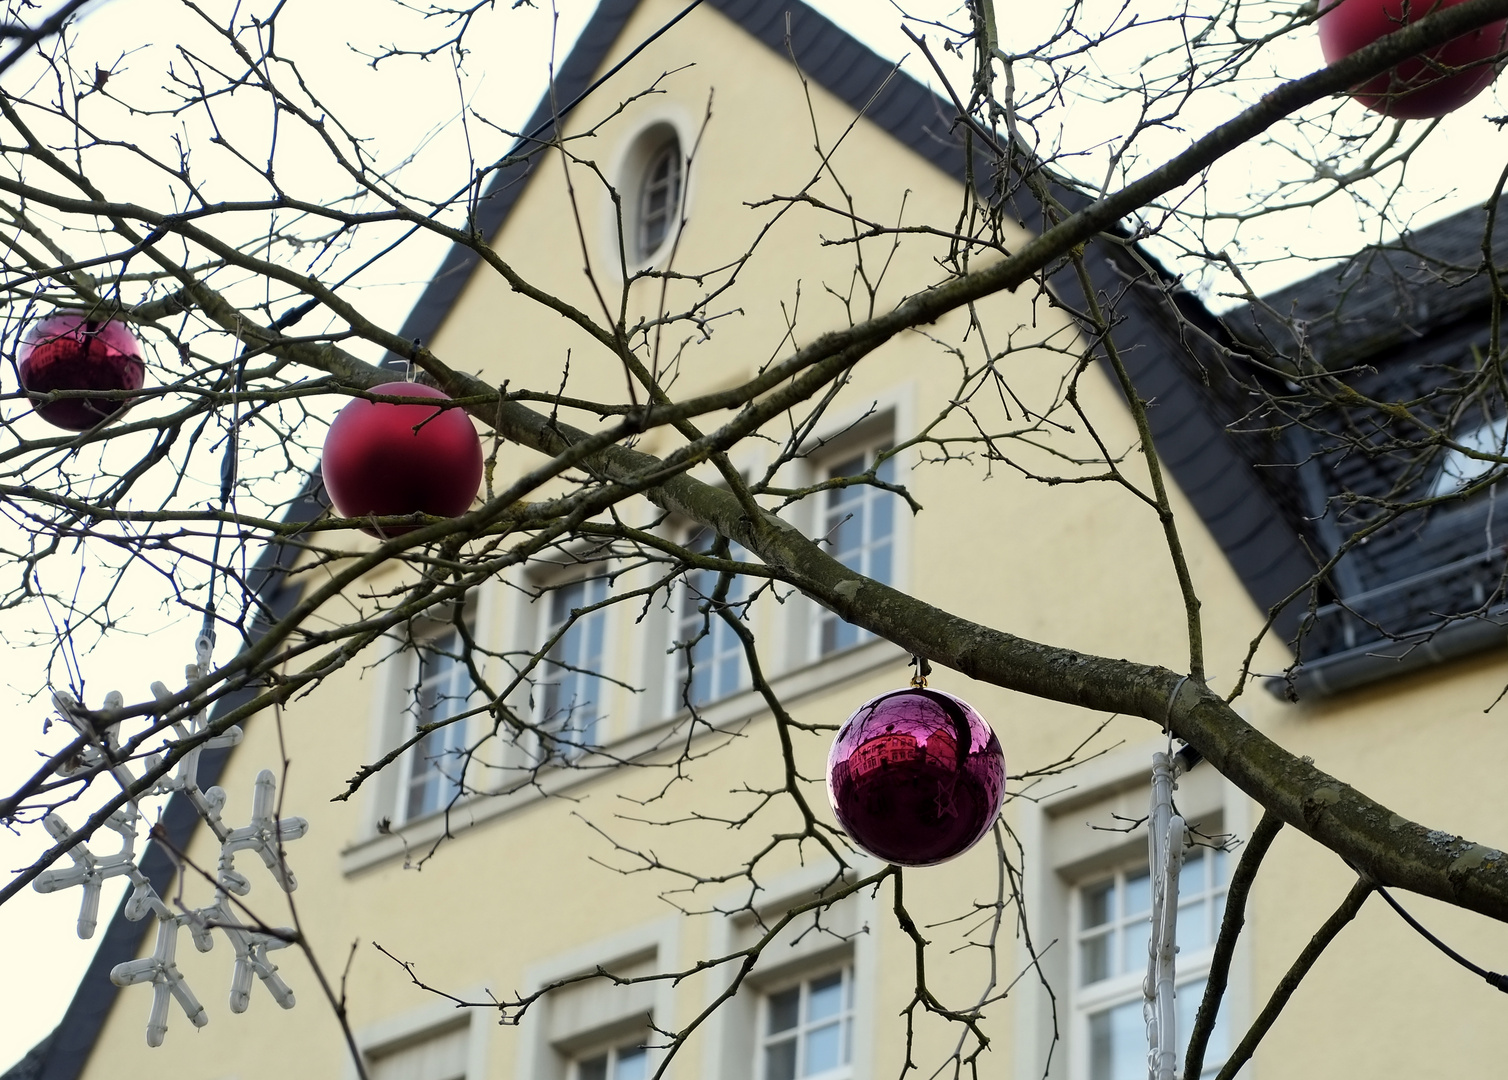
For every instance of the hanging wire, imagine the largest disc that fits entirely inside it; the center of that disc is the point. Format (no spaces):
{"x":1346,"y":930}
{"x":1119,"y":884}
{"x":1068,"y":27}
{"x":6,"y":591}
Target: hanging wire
{"x":923,"y":669}
{"x":1492,"y":978}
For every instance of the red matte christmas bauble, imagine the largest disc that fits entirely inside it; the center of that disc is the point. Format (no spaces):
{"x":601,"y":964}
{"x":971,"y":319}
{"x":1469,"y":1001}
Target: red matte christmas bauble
{"x":73,"y":352}
{"x":1415,"y":89}
{"x":385,"y":458}
{"x":916,"y":777}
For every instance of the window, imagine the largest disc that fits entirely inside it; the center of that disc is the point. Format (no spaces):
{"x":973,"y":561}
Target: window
{"x":1113,"y":927}
{"x":600,"y":1028}
{"x":857,"y":526}
{"x":433,"y":771}
{"x":435,"y":1057}
{"x":629,"y":1062}
{"x":807,"y":1028}
{"x":1458,"y":470}
{"x":709,"y":657}
{"x":659,"y":201}
{"x":570,"y":698}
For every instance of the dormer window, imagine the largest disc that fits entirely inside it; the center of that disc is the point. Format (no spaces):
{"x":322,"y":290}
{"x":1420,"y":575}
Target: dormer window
{"x":1458,"y":470}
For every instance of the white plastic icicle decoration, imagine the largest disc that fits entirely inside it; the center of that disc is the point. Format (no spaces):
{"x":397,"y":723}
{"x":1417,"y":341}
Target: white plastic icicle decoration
{"x":265,"y":835}
{"x":1165,"y":831}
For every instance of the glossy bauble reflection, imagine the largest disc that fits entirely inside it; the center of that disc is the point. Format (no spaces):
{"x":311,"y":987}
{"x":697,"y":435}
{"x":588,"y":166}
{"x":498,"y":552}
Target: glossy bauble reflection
{"x":1416,"y":89}
{"x":74,"y":352}
{"x":387,"y":459}
{"x":916,"y":776}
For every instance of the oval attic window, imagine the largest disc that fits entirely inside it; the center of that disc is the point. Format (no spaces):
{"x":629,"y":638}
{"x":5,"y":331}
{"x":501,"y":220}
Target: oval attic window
{"x":659,"y":196}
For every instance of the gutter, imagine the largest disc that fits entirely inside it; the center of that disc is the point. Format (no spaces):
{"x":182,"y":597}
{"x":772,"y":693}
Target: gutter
{"x":1379,"y":660}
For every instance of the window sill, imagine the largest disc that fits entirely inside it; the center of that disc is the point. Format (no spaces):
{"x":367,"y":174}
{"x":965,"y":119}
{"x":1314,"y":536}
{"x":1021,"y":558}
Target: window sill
{"x":420,"y":834}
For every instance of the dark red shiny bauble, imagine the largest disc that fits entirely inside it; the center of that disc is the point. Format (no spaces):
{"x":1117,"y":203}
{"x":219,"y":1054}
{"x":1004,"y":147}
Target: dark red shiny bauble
{"x":384,"y":458}
{"x":916,"y":776}
{"x":1415,"y":89}
{"x":74,"y":352}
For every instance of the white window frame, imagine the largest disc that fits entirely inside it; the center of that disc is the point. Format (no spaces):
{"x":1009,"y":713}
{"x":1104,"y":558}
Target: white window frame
{"x":654,"y":122}
{"x":611,"y":1053}
{"x":546,"y":1052}
{"x":804,"y":1026}
{"x":837,"y":508}
{"x":719,"y":641}
{"x":584,"y":732}
{"x":429,"y":1021}
{"x":1065,"y":850}
{"x":733,"y":1046}
{"x":1086,"y":1000}
{"x":441,"y":752}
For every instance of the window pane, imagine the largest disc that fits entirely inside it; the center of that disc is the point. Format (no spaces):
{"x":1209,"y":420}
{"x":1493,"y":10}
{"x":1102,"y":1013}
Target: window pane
{"x":1094,"y":958}
{"x":1192,"y":879}
{"x":826,"y":997}
{"x":1118,"y":1043}
{"x":631,"y":1064}
{"x":707,"y":649}
{"x":701,"y":685}
{"x":1138,"y":892}
{"x":837,"y":634}
{"x":569,"y":704}
{"x":1187,"y":1000}
{"x":729,"y":668}
{"x":879,"y":562}
{"x":780,"y":1060}
{"x":1099,"y":904}
{"x":882,"y":513}
{"x":784,"y":1009}
{"x":659,"y":198}
{"x":845,"y":534}
{"x":592,"y":1069}
{"x":823,"y":1049}
{"x":434,"y":765}
{"x":848,"y":467}
{"x":1194,"y":931}
{"x":857,"y":526}
{"x":1135,"y":939}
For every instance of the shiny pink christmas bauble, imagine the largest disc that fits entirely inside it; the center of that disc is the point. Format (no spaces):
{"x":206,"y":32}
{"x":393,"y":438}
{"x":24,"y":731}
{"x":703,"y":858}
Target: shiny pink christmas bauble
{"x":386,"y":459}
{"x":73,"y":352}
{"x":916,"y":777}
{"x":1415,"y":89}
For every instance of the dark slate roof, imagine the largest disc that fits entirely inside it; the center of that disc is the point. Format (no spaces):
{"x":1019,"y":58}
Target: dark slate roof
{"x":30,"y":1066}
{"x":1167,"y":338}
{"x":1397,"y":322}
{"x":1381,"y":298}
